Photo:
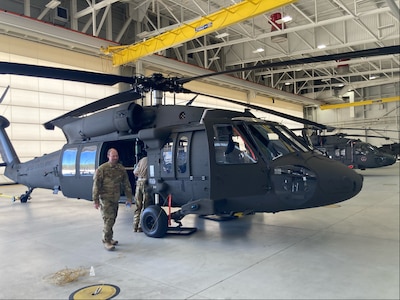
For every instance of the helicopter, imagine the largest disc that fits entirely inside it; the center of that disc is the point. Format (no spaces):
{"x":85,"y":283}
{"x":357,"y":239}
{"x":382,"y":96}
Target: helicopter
{"x":202,"y":161}
{"x":352,"y":152}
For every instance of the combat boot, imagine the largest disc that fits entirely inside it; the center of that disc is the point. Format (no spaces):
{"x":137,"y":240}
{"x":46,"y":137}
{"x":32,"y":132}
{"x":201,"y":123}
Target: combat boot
{"x":109,"y":246}
{"x":136,"y":229}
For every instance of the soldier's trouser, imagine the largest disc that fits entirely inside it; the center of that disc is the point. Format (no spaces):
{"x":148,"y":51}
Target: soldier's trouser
{"x":109,"y":212}
{"x":141,"y":201}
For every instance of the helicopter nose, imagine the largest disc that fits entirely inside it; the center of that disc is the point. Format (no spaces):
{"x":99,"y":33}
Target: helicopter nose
{"x":310,"y":180}
{"x":386,"y":160}
{"x":336,"y":182}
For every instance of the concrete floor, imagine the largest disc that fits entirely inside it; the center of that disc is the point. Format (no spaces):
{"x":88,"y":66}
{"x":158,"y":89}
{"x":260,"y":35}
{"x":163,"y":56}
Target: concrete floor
{"x":346,"y":251}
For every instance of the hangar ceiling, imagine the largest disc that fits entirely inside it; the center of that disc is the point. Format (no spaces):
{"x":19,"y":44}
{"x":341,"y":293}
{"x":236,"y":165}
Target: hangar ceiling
{"x":313,"y":28}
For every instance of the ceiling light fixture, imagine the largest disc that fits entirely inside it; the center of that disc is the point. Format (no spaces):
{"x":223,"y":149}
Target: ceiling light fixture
{"x":222,"y":35}
{"x":53,"y":4}
{"x":259,"y":50}
{"x":284,"y":19}
{"x":322,"y":46}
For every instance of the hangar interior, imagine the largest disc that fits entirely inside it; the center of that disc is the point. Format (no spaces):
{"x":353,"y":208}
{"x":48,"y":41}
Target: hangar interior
{"x":76,"y":34}
{"x":361,"y":93}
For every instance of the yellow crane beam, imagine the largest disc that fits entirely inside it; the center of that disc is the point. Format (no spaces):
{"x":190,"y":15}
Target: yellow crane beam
{"x":359,"y":103}
{"x":223,"y":18}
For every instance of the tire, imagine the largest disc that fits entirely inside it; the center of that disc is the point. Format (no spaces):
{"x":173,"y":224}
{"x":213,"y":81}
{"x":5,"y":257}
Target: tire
{"x":24,"y":198}
{"x":154,"y":221}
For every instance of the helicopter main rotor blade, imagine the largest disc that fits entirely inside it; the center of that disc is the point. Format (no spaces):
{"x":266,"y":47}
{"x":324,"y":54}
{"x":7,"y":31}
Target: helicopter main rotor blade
{"x":307,"y":60}
{"x":109,"y":79}
{"x":271,"y":111}
{"x":363,"y":135}
{"x":63,"y":74}
{"x":145,"y":84}
{"x":373,"y":129}
{"x":115,"y":99}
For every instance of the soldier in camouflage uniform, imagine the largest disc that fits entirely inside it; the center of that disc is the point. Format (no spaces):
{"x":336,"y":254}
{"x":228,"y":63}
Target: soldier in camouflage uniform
{"x":141,"y":194}
{"x":107,"y":183}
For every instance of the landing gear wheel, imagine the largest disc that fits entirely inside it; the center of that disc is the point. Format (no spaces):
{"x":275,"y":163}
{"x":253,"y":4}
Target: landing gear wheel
{"x":154,"y":221}
{"x":25,"y":197}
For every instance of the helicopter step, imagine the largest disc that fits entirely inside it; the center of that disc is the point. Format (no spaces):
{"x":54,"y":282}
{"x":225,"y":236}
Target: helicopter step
{"x":155,"y":223}
{"x":177,"y":217}
{"x":179,"y":230}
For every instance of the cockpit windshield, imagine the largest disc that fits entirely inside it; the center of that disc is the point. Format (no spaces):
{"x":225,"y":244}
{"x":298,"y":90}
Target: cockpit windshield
{"x":275,"y":140}
{"x":365,"y":148}
{"x":243,"y":141}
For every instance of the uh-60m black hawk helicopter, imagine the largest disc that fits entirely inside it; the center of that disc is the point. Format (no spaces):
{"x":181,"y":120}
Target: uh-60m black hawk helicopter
{"x":208,"y":162}
{"x":349,"y":149}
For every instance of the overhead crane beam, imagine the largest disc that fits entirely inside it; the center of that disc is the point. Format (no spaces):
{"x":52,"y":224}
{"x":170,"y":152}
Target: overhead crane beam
{"x":359,"y":103}
{"x":223,"y":18}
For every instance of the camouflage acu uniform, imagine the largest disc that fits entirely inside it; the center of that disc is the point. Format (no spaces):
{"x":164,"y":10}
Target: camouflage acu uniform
{"x":107,"y":185}
{"x":141,"y":195}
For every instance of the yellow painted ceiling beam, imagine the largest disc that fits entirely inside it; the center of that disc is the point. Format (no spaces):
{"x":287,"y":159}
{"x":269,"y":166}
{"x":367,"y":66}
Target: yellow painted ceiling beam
{"x":359,"y":103}
{"x":223,"y":18}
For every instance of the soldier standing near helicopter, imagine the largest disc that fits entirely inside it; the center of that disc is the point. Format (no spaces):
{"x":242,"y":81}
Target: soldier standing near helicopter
{"x":106,"y":193}
{"x":141,"y":194}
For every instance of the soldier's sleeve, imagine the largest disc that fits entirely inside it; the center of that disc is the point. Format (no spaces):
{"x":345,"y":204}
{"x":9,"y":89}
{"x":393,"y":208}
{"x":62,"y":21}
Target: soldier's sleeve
{"x":96,"y":185}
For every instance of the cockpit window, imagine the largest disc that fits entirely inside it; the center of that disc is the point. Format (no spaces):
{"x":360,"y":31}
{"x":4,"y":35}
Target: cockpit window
{"x":365,"y":148}
{"x":275,"y":140}
{"x":242,"y":142}
{"x":231,"y":147}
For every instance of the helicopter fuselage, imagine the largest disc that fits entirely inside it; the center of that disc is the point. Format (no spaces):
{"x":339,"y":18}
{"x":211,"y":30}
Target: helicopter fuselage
{"x":204,"y":161}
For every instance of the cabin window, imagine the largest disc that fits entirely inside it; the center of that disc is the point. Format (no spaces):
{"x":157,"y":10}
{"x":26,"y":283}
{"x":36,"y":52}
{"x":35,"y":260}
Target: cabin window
{"x":181,"y":154}
{"x":68,"y":162}
{"x":88,"y":160}
{"x":230,"y":146}
{"x":167,"y":157}
{"x":340,"y":152}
